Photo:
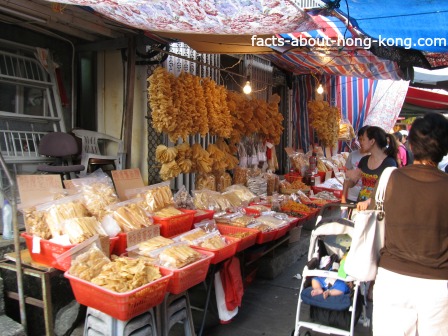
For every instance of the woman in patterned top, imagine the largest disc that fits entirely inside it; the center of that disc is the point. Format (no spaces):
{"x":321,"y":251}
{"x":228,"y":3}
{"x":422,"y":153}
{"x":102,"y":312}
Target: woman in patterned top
{"x":383,"y":152}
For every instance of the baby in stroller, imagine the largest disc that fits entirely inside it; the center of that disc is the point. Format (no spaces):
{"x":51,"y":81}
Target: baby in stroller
{"x":328,"y":287}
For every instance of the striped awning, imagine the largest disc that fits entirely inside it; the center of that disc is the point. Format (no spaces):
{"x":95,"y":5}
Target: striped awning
{"x":333,"y":49}
{"x":360,"y":63}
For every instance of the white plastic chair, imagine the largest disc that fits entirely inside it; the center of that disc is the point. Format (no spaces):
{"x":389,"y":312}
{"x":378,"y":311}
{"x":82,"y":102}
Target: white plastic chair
{"x":95,"y":147}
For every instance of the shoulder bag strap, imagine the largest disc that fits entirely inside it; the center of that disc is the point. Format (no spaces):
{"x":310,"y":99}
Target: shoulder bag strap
{"x":382,"y":184}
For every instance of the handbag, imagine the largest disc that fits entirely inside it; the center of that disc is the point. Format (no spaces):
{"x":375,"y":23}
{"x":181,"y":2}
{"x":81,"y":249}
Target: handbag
{"x":362,"y":259}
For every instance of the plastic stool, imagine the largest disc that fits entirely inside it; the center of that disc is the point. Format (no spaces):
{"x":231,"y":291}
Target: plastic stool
{"x":101,"y":324}
{"x":176,"y":308}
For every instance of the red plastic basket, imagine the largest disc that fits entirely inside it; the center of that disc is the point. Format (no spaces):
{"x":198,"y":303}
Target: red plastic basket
{"x":112,"y":243}
{"x":200,"y":217}
{"x":264,"y":237}
{"x":50,"y":251}
{"x":251,"y":211}
{"x":243,"y":243}
{"x":122,"y":306}
{"x":282,"y":231}
{"x":121,"y":244}
{"x":186,"y":277}
{"x":295,"y":221}
{"x":322,"y":176}
{"x":64,"y":262}
{"x":291,"y":177}
{"x":122,"y":239}
{"x":326,"y":201}
{"x":223,"y":253}
{"x":174,"y":225}
{"x":337,"y":193}
{"x":265,"y":203}
{"x":314,"y":213}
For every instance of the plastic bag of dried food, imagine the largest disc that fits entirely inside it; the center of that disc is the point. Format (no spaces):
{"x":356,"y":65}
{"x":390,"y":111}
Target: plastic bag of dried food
{"x":240,"y":175}
{"x":213,"y":240}
{"x":242,"y":220}
{"x":155,"y":196}
{"x":208,"y":225}
{"x":205,"y":181}
{"x":82,"y":228}
{"x":302,"y":197}
{"x":98,"y":193}
{"x":183,"y":199}
{"x":129,"y":215}
{"x":223,"y":181}
{"x":56,"y":212}
{"x":243,"y":192}
{"x":242,"y":156}
{"x":257,"y":185}
{"x":35,"y":223}
{"x":210,"y":200}
{"x":260,"y":227}
{"x":125,"y":274}
{"x":176,"y":255}
{"x":226,"y":217}
{"x":272,"y":221}
{"x":147,"y":246}
{"x":110,"y":225}
{"x":233,"y":198}
{"x":272,"y":183}
{"x":169,"y":211}
{"x":299,"y":162}
{"x":190,"y":236}
{"x":87,"y":259}
{"x":346,"y":131}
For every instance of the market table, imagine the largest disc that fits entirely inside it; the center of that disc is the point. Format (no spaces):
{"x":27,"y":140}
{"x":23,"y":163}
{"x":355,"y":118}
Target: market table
{"x":42,"y":298}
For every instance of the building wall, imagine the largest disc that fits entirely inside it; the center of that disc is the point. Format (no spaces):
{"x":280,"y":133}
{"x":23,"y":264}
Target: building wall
{"x":110,"y":105}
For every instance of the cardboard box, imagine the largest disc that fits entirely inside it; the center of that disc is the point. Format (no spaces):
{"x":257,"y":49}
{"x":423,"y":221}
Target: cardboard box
{"x":294,"y":234}
{"x":126,"y":179}
{"x":35,"y":188}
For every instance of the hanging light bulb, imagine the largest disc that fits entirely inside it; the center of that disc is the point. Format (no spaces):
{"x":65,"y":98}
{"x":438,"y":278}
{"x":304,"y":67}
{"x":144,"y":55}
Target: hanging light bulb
{"x":320,"y":89}
{"x":247,"y":89}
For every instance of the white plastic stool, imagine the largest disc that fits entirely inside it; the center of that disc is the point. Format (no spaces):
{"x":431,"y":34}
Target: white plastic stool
{"x":176,"y":308}
{"x":101,"y":324}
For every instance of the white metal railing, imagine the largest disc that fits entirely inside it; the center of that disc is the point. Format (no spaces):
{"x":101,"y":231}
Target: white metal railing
{"x":21,"y":146}
{"x":15,"y":68}
{"x":31,"y":104}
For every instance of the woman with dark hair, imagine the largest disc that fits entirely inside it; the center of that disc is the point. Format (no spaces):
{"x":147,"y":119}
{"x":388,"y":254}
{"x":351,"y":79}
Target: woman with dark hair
{"x":383,"y":152}
{"x":351,"y":194}
{"x":411,"y":287}
{"x":401,"y":155}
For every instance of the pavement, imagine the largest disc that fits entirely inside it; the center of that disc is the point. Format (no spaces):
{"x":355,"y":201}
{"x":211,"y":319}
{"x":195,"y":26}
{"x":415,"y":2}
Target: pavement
{"x":268,"y":308}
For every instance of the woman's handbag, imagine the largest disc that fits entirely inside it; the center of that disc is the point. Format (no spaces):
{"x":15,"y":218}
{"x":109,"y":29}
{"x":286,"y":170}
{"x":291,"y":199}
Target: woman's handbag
{"x":368,"y":236}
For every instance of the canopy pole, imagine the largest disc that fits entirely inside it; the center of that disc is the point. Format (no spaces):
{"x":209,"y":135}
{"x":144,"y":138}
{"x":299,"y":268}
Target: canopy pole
{"x":129,"y":105}
{"x":15,"y":225}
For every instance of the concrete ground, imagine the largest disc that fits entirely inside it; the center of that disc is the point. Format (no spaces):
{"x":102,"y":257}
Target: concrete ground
{"x":268,"y":308}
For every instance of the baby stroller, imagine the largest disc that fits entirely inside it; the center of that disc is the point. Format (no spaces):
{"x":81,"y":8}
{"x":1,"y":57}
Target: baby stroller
{"x":336,"y":315}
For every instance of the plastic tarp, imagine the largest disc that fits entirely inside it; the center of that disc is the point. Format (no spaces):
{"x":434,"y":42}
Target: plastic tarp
{"x":386,"y":104}
{"x":204,"y":16}
{"x":403,"y":22}
{"x":333,"y":49}
{"x":432,"y":99}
